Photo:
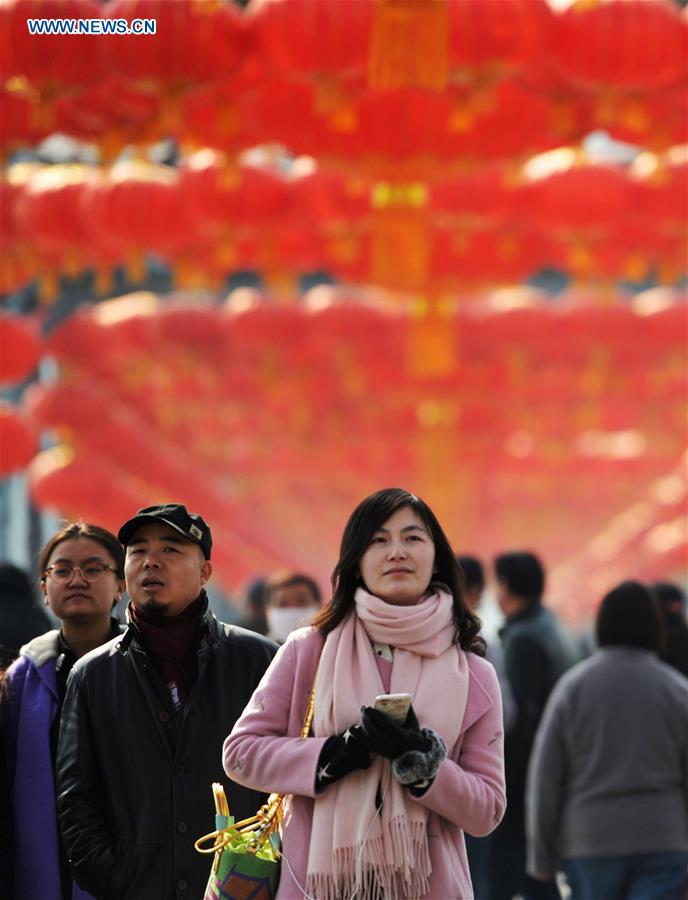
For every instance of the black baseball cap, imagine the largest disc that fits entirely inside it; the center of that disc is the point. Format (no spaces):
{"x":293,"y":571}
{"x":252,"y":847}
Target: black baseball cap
{"x":190,"y":525}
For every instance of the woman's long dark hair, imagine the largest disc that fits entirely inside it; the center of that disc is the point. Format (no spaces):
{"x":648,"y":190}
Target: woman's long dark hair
{"x":365,"y":520}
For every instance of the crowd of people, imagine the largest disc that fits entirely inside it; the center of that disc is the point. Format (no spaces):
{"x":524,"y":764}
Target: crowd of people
{"x":515,"y":769}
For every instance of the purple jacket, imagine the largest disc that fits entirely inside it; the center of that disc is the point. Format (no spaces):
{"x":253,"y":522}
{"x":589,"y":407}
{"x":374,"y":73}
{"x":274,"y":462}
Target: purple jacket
{"x":27,"y":717}
{"x":264,"y":751}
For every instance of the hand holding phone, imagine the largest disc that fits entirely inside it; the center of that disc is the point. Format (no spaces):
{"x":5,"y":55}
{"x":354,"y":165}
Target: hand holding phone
{"x":388,"y":735}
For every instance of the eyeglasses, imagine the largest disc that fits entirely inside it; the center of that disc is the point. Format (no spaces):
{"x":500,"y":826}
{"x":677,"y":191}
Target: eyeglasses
{"x":94,"y":571}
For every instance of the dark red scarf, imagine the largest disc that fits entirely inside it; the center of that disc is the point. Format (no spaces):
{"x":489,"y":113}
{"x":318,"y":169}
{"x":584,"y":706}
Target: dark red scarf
{"x":171,"y":642}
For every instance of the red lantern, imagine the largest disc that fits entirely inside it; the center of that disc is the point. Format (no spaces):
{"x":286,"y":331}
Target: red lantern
{"x":110,"y":111}
{"x":20,"y":349}
{"x":620,"y":44}
{"x":309,"y":37}
{"x":654,"y":119}
{"x":50,"y":61}
{"x":18,"y":261}
{"x":193,"y":43}
{"x":223,"y":198}
{"x":580,"y":207}
{"x":137,"y":208}
{"x":82,"y":488}
{"x":18,"y":440}
{"x":490,"y":40}
{"x":50,"y":217}
{"x":24,"y":121}
{"x":477,"y":200}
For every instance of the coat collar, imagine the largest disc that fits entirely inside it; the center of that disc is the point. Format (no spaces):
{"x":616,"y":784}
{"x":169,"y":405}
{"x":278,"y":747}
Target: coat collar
{"x":41,"y":648}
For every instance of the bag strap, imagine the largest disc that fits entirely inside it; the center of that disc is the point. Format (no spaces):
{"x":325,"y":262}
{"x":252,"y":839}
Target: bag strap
{"x":310,"y":709}
{"x":268,"y":817}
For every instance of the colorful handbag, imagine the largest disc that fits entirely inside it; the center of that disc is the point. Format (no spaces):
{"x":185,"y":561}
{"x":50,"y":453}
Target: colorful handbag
{"x":247,"y":853}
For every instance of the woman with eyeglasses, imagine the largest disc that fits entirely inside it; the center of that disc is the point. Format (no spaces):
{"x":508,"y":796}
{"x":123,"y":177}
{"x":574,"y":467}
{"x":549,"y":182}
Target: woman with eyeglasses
{"x":380,"y":792}
{"x":82,"y":578}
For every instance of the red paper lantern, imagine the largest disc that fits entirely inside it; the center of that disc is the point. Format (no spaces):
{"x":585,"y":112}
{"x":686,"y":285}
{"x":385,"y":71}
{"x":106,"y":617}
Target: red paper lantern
{"x":620,"y":44}
{"x":137,"y":207}
{"x":309,"y":37}
{"x":490,"y":40}
{"x":17,"y":261}
{"x":18,"y":440}
{"x":112,"y":112}
{"x":50,"y":217}
{"x":81,"y":488}
{"x":654,"y":119}
{"x":49,"y":61}
{"x":194,"y":43}
{"x":24,"y":120}
{"x":20,"y":349}
{"x":223,"y":198}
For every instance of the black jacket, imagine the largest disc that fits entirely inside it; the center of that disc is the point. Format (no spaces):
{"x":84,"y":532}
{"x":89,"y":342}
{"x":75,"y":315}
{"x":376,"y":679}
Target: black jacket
{"x":537,"y":651}
{"x":133,"y":778}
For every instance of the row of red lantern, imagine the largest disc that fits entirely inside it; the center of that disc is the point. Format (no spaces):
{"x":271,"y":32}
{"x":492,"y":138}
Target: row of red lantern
{"x":275,"y":405}
{"x":533,"y":355}
{"x":635,"y":44}
{"x":403,"y":132}
{"x":507,"y":373}
{"x":648,"y":540}
{"x":211,"y":219}
{"x":519,"y":78}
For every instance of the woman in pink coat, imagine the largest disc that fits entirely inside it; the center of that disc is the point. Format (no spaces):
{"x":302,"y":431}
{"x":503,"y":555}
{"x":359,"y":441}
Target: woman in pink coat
{"x":378,"y":808}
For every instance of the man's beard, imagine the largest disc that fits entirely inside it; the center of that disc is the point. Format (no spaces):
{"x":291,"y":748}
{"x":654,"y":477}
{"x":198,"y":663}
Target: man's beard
{"x":152,"y":605}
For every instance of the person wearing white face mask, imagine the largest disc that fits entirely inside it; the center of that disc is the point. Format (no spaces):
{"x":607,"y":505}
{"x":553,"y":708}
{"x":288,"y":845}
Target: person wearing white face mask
{"x":291,"y":601}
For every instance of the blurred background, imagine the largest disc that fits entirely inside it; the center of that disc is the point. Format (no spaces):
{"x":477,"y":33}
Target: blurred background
{"x":284,"y":253}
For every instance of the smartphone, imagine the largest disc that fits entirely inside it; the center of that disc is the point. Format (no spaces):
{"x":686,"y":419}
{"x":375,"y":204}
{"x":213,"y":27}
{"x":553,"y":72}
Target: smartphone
{"x":396,"y":706}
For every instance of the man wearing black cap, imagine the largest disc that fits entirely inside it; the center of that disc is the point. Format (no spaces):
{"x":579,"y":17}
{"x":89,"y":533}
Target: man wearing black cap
{"x":144,"y":720}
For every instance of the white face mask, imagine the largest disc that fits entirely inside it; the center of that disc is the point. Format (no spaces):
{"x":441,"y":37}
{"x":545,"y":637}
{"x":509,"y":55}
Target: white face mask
{"x":282,"y":620}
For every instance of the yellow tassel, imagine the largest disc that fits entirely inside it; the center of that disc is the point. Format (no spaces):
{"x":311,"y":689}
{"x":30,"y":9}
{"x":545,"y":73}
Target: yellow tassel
{"x":343,"y":247}
{"x":580,"y":258}
{"x":103,"y":282}
{"x":135,"y":266}
{"x":634,"y":115}
{"x":431,"y":349}
{"x":635,"y":267}
{"x":409,"y":44}
{"x":400,"y":239}
{"x":48,"y":288}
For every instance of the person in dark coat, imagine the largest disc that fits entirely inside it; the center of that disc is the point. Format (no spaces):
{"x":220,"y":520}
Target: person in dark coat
{"x":537,"y":651}
{"x":672,"y":604}
{"x":144,"y":719}
{"x":21,"y":619}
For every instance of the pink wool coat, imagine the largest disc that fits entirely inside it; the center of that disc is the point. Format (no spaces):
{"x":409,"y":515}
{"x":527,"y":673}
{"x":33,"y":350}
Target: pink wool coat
{"x":265,"y":752}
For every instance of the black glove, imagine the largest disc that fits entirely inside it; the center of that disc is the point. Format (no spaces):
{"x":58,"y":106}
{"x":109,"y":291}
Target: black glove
{"x":416,"y":753}
{"x":386,"y":737}
{"x":341,"y":754}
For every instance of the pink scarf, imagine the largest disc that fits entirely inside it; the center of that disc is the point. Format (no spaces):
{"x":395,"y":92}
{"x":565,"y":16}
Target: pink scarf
{"x":388,"y":858}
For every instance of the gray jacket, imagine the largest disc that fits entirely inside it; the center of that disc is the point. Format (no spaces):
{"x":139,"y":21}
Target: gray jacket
{"x":609,"y":770}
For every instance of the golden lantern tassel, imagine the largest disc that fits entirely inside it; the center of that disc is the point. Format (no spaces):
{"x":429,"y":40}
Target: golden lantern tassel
{"x":400,"y":238}
{"x":409,"y":44}
{"x":431,"y":349}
